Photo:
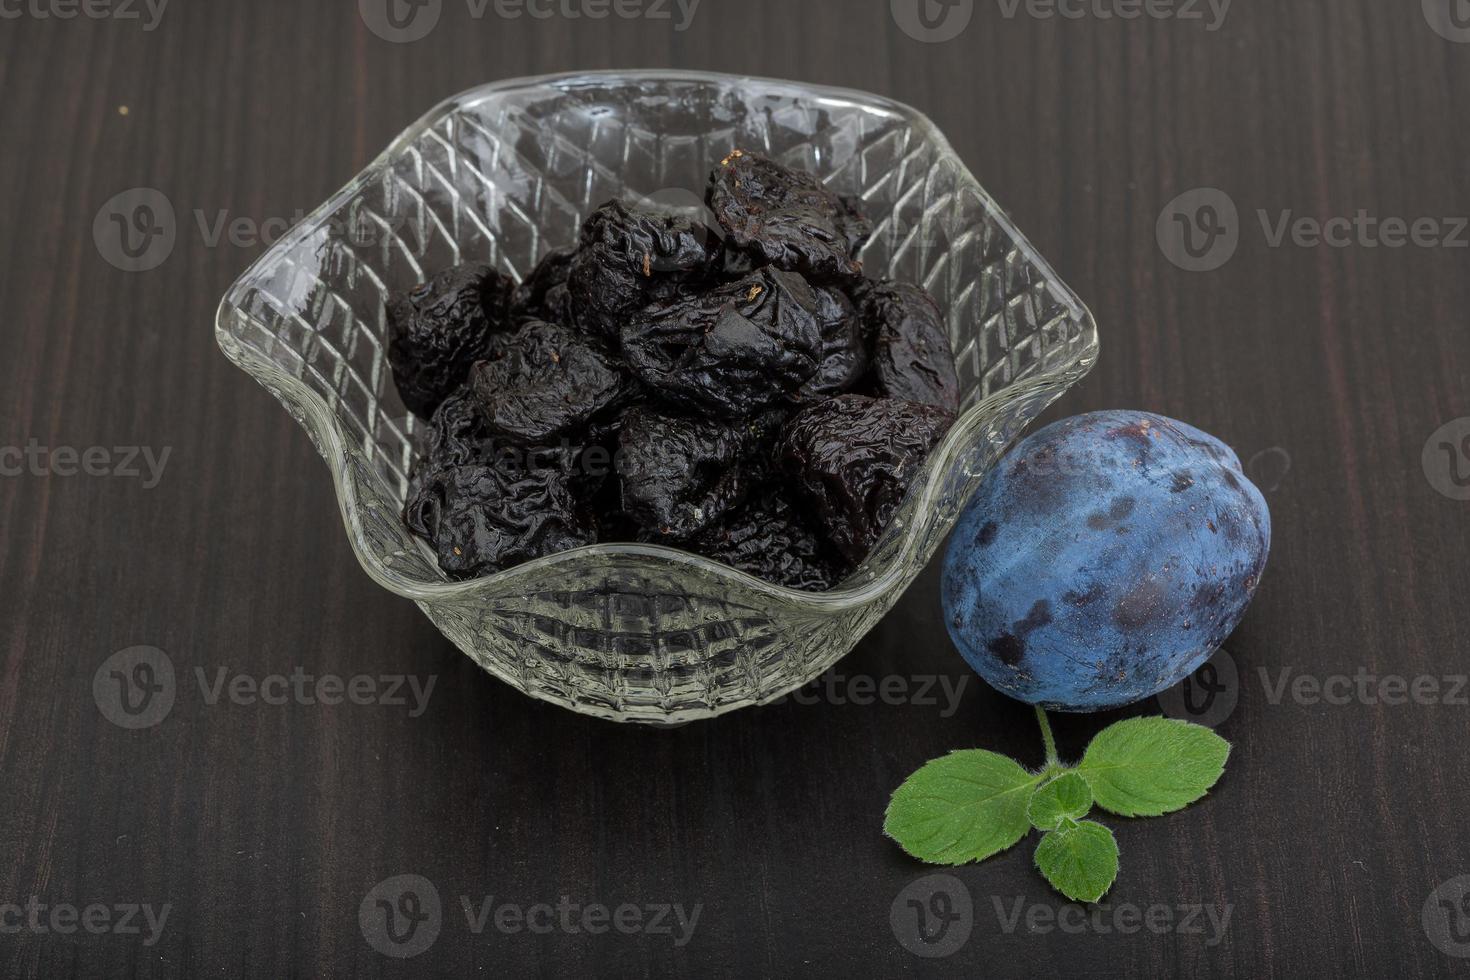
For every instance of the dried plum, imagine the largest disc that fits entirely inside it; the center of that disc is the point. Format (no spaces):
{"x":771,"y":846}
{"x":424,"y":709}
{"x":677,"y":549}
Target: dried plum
{"x":544,"y":380}
{"x":681,"y":474}
{"x":853,"y":458}
{"x":439,"y":328}
{"x":486,"y":505}
{"x":626,"y":255}
{"x":912,"y":356}
{"x":770,"y":539}
{"x":487,"y":516}
{"x":787,"y":218}
{"x":457,"y":434}
{"x":732,"y":350}
{"x":844,"y":358}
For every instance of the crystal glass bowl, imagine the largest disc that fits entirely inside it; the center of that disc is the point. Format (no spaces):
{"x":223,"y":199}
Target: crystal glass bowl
{"x":504,"y":173}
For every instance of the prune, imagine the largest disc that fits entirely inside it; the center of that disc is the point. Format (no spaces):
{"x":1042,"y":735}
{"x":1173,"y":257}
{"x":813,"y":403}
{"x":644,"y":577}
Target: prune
{"x":912,"y":356}
{"x":681,"y":474}
{"x":544,"y":380}
{"x":543,"y":294}
{"x":626,"y":254}
{"x":852,"y":458}
{"x":485,"y":505}
{"x":844,"y":356}
{"x":457,"y":434}
{"x":769,"y":538}
{"x":439,"y":328}
{"x":732,"y":350}
{"x":488,"y":516}
{"x":786,"y":218}
{"x":1103,"y":560}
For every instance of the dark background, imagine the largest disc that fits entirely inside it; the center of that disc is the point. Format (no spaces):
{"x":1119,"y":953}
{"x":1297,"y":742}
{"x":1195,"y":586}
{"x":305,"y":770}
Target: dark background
{"x":265,"y":826}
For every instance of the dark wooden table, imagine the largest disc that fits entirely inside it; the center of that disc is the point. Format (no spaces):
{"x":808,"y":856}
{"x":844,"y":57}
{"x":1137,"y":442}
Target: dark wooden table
{"x":264,"y":827}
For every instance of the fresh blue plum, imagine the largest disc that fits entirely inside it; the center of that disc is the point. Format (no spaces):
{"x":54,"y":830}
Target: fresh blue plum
{"x":1103,"y":560}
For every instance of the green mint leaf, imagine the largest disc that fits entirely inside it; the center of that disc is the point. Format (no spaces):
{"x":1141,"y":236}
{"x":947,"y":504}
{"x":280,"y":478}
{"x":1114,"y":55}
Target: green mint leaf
{"x":961,"y":807}
{"x":1144,"y":767}
{"x":1080,"y":860}
{"x":1066,"y":798}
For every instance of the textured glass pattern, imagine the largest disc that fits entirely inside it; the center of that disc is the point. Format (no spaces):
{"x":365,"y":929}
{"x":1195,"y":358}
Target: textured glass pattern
{"x":504,"y":173}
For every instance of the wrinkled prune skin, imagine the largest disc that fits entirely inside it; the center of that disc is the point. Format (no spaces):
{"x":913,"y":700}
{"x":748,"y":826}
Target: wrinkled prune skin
{"x":488,"y":516}
{"x":545,"y":380}
{"x":1103,"y":560}
{"x":457,"y":435}
{"x":845,"y":358}
{"x":543,"y":294}
{"x":787,"y":218}
{"x":438,"y":329}
{"x":681,"y":474}
{"x":771,"y":539}
{"x":484,"y":505}
{"x":627,"y":255}
{"x":731,"y":351}
{"x":852,"y":459}
{"x":912,"y":356}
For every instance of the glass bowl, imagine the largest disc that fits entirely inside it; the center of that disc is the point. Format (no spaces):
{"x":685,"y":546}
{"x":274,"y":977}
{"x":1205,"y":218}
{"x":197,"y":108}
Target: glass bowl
{"x":504,"y":173}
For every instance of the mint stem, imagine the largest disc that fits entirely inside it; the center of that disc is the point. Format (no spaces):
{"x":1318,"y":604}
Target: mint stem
{"x":1052,"y":762}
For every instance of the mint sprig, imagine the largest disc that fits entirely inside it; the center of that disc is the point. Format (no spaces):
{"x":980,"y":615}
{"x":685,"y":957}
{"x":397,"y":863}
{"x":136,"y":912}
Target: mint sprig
{"x":972,"y":804}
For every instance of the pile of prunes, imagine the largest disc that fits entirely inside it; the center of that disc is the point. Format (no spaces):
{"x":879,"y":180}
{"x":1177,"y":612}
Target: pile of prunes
{"x":741,"y":392}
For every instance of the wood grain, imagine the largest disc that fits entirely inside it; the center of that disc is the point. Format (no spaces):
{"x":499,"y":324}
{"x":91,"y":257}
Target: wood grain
{"x":264,"y":827}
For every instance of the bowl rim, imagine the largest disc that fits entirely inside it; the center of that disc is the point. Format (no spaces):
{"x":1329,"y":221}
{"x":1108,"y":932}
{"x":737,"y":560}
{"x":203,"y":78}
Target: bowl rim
{"x":322,"y":425}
